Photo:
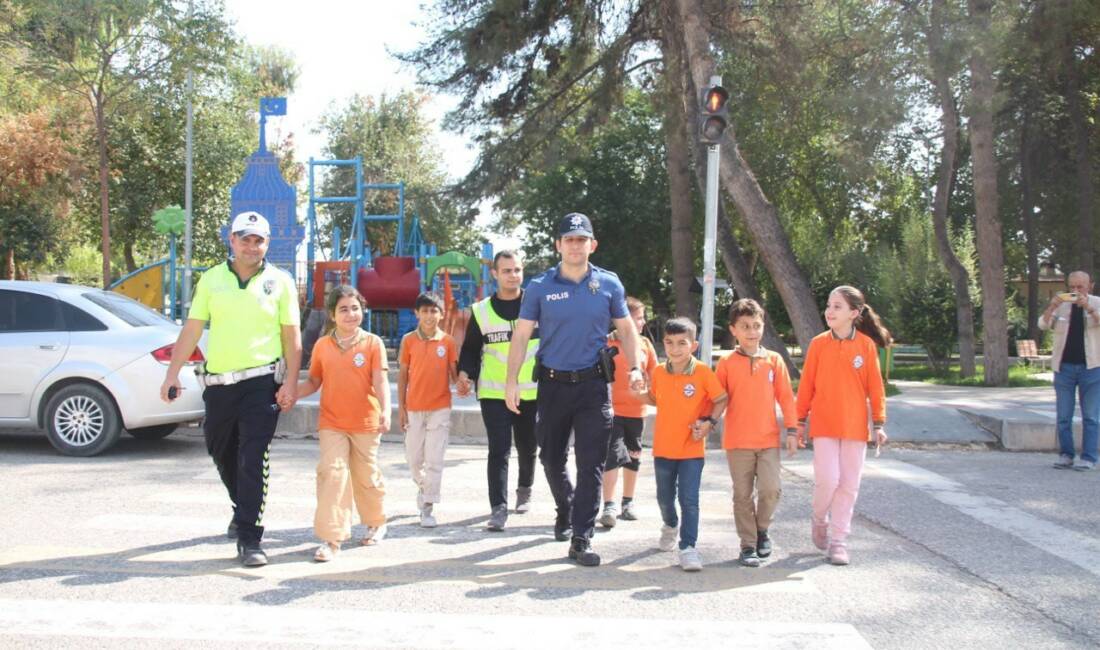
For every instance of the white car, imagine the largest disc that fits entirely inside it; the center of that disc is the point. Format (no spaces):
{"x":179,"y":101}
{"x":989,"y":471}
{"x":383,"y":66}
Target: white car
{"x":85,"y":363}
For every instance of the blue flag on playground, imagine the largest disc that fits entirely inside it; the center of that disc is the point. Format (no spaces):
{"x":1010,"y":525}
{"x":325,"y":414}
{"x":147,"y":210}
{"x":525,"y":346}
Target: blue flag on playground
{"x":273,"y":105}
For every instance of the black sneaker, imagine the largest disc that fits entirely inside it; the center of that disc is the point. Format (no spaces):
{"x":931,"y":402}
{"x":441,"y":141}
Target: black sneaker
{"x":763,"y":543}
{"x":562,"y":528}
{"x":580,"y":551}
{"x":231,"y":532}
{"x":749,"y":557}
{"x":250,"y":554}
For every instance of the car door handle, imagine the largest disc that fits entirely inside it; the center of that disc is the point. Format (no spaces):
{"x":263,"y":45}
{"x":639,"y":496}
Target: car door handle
{"x":49,"y":346}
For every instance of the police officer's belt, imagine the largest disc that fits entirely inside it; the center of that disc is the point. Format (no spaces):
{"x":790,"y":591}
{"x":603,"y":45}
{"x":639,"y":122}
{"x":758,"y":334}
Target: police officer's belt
{"x":570,"y":376}
{"x":276,"y":368}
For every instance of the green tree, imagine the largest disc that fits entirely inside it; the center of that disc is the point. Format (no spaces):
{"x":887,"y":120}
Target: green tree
{"x":37,"y":173}
{"x":148,"y":145}
{"x":395,"y":140}
{"x":617,"y":176}
{"x":101,"y":50}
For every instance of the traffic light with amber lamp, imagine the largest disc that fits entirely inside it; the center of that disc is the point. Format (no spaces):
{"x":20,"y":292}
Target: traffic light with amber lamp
{"x":715,"y":115}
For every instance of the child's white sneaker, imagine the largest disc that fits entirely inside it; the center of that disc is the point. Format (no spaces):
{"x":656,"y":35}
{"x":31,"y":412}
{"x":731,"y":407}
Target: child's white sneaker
{"x":427,"y":520}
{"x":668,"y":538}
{"x":690,"y":560}
{"x":375,"y":534}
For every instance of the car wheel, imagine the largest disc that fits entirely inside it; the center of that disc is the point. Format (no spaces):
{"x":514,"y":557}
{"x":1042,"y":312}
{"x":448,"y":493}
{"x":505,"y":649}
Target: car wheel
{"x":81,"y":420}
{"x":155,"y":432}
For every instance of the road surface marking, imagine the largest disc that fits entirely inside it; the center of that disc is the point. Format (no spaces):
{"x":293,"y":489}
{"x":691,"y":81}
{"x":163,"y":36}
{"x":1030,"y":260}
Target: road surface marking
{"x":1069,"y":545}
{"x":254,"y":624}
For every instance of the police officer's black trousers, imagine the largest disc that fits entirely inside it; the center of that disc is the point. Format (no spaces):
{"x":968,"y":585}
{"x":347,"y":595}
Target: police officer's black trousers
{"x":240,"y":423}
{"x":585,"y":410}
{"x":501,"y":425}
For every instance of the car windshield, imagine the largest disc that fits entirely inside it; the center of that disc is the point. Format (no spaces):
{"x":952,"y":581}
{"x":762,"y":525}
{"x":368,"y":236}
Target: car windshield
{"x":126,"y":309}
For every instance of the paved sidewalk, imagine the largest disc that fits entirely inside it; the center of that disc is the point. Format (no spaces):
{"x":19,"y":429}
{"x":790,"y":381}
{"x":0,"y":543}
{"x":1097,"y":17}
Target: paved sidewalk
{"x":930,"y":413}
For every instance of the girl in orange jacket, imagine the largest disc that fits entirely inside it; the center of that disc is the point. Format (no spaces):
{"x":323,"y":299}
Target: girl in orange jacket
{"x":840,"y":376}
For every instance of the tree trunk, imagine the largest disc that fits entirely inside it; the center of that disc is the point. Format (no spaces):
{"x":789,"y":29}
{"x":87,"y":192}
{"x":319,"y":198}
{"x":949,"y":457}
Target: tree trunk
{"x":988,"y":231}
{"x":737,"y":267}
{"x":1027,"y":212}
{"x":104,"y":205}
{"x":9,"y":266}
{"x":1081,"y":149}
{"x":128,"y":254}
{"x":678,"y":160}
{"x":761,"y":217}
{"x":945,"y":184}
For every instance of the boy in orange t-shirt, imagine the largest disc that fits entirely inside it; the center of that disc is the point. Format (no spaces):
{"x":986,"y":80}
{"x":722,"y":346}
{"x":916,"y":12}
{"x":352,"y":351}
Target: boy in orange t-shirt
{"x":428,"y":360}
{"x":755,"y":379}
{"x":688,"y":400}
{"x":625,"y":448}
{"x":355,"y":411}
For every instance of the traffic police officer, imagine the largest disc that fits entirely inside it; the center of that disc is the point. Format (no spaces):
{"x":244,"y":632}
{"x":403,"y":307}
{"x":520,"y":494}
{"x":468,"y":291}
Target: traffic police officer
{"x":484,"y":358}
{"x":254,"y":351}
{"x":573,"y":305}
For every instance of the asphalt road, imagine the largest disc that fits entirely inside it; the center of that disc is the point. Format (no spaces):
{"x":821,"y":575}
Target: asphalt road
{"x":951,"y":548}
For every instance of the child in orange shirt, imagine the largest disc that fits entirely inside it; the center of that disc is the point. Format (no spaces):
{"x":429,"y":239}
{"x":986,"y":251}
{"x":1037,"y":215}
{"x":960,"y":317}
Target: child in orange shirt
{"x":355,"y":412}
{"x":688,"y":400}
{"x":428,"y":368}
{"x":755,"y":379}
{"x":625,"y":449}
{"x":840,"y":375}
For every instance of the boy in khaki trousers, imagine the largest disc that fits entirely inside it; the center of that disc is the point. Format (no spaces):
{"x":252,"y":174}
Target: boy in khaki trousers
{"x":755,"y":379}
{"x":428,"y":359}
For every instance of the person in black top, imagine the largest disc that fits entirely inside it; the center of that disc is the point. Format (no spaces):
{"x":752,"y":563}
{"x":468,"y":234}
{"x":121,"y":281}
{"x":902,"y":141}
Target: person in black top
{"x":484,"y":359}
{"x":1075,"y":318}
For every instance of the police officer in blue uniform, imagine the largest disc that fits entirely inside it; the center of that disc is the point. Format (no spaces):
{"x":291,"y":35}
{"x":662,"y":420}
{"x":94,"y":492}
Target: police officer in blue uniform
{"x":573,"y":306}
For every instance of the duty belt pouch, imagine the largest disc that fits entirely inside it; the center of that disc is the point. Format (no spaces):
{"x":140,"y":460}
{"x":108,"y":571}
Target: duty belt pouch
{"x":280,"y":371}
{"x":606,"y":363}
{"x":536,"y":370}
{"x":200,"y":374}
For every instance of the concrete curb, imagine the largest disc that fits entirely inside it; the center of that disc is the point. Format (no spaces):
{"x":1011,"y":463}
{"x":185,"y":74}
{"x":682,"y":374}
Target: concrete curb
{"x":1030,"y":434}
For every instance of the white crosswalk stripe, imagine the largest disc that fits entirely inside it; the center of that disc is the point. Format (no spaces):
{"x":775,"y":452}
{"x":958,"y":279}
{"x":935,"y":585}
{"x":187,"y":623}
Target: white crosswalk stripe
{"x":391,"y":629}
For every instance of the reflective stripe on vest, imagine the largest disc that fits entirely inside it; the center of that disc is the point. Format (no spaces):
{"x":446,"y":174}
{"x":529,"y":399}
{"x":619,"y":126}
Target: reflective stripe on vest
{"x":496,"y":339}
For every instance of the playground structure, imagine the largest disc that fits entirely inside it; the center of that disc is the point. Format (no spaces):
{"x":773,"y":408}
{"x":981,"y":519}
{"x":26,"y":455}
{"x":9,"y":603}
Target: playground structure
{"x":390,"y":280}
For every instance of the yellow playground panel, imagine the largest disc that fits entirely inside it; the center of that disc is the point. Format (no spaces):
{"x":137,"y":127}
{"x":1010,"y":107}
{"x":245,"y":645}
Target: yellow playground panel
{"x":145,"y":286}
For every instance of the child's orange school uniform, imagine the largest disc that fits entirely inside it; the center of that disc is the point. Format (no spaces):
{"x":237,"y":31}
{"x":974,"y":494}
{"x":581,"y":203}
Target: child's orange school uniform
{"x":349,"y":435}
{"x":348,"y":402}
{"x":755,"y":384}
{"x":430,"y":361}
{"x":682,"y":398}
{"x":839,"y":378}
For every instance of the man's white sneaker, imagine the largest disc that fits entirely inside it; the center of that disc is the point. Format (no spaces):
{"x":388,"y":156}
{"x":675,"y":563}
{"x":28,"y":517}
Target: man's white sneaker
{"x":427,"y":520}
{"x":690,"y":560}
{"x":668,"y":538}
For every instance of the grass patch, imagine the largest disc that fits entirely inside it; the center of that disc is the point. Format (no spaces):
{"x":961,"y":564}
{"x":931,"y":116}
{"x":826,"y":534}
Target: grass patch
{"x":1019,"y":376}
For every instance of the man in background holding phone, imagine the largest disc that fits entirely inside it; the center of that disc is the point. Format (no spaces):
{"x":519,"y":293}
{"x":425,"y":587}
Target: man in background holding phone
{"x":1075,"y":318}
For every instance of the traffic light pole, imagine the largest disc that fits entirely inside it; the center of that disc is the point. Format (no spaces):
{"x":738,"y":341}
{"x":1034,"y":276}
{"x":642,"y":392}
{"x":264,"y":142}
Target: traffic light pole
{"x":710,"y":239}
